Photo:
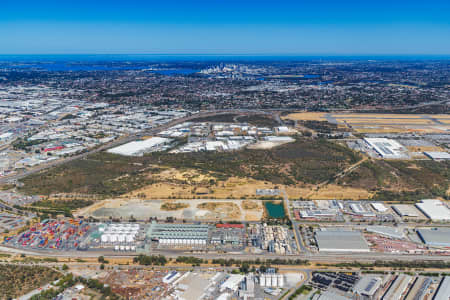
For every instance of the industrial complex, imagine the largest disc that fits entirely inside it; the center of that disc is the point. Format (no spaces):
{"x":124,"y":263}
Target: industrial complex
{"x":341,"y":241}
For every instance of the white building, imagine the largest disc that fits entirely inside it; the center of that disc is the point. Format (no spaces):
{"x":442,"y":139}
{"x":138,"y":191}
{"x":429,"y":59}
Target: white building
{"x":387,"y":148}
{"x":379,"y":207}
{"x":138,"y":148}
{"x":434,"y":209}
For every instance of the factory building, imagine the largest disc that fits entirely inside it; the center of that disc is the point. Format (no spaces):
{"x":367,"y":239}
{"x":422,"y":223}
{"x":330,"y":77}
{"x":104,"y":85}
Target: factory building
{"x":138,"y":148}
{"x":358,"y":209}
{"x":390,"y":232}
{"x":435,"y":237}
{"x":232,"y":283}
{"x":443,"y":291}
{"x":379,"y":207}
{"x":367,"y":287}
{"x":437,"y":155}
{"x":387,"y":148}
{"x":341,"y":241}
{"x":419,"y":288}
{"x":434,"y":209}
{"x":398,"y":288}
{"x":405,"y":210}
{"x":179,"y":234}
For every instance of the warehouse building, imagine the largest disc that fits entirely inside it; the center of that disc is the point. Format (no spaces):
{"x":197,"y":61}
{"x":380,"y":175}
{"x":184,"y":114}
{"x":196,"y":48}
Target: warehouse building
{"x":379,"y":207}
{"x":405,"y":210}
{"x":367,"y":287}
{"x":360,"y":210}
{"x":434,"y":209}
{"x":179,"y":234}
{"x":387,"y":148}
{"x":139,"y":148}
{"x":390,"y":232}
{"x":435,"y":237}
{"x":341,"y":241}
{"x":443,"y":291}
{"x":438,"y":155}
{"x":398,"y":288}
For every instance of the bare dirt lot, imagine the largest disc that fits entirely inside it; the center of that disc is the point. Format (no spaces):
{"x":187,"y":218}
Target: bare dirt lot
{"x":195,"y":210}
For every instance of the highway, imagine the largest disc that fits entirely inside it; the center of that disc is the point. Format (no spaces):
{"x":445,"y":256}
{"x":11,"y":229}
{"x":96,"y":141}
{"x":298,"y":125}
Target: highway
{"x":331,"y":257}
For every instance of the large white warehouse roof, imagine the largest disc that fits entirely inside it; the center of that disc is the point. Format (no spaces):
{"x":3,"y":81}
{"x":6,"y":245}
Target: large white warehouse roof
{"x":387,"y":148}
{"x":138,"y":148}
{"x":434,"y":209}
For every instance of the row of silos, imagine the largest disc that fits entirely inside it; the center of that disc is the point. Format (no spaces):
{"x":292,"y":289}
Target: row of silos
{"x":117,"y":238}
{"x":182,"y":242}
{"x":271,"y":280}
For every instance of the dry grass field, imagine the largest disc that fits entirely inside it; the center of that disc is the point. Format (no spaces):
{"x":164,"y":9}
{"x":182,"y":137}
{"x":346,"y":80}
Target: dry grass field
{"x":381,"y":116}
{"x":199,"y":186}
{"x":388,"y":121}
{"x":424,"y":148}
{"x":399,"y":129}
{"x":329,"y":191}
{"x":306,"y":116}
{"x":381,"y":123}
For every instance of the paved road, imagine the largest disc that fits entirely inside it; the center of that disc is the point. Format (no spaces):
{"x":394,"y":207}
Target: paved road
{"x":126,"y":139}
{"x":315,"y":257}
{"x":297,"y":235}
{"x":35,"y":292}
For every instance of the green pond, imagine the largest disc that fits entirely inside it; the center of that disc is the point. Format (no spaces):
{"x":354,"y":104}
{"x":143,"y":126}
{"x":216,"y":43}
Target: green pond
{"x":275,"y":210}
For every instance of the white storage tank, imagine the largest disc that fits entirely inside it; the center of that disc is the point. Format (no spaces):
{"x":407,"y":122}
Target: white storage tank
{"x":268,"y":280}
{"x":274,"y":281}
{"x":105,"y":238}
{"x":262,"y":280}
{"x":121,"y":238}
{"x":113,"y":238}
{"x":280,"y":280}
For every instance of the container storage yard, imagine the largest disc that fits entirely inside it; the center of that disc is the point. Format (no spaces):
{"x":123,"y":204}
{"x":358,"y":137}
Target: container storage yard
{"x":51,"y":234}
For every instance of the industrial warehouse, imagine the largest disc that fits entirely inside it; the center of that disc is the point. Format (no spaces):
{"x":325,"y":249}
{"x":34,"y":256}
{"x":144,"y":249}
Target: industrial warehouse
{"x":341,"y":241}
{"x":435,"y":237}
{"x":179,"y":234}
{"x":434,"y":210}
{"x":387,"y":148}
{"x":139,"y":148}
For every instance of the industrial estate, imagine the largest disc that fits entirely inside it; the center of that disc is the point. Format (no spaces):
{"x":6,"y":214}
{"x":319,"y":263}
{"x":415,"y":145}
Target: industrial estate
{"x":116,"y":192}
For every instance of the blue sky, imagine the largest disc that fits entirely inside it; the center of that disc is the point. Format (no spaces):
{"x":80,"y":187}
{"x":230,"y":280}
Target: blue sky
{"x":225,"y":27}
